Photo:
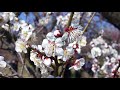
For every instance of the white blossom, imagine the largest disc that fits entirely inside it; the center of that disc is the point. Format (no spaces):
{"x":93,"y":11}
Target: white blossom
{"x":73,"y":34}
{"x":11,"y":16}
{"x":96,"y":51}
{"x":47,"y":61}
{"x":20,"y":46}
{"x":16,"y":26}
{"x":97,"y":41}
{"x":45,"y":43}
{"x":113,"y":60}
{"x":78,"y":64}
{"x":33,"y":57}
{"x":40,"y":48}
{"x":3,"y":64}
{"x":5,"y":16}
{"x":82,"y":42}
{"x":65,"y":36}
{"x":50,"y":50}
{"x":59,"y":52}
{"x":64,"y":54}
{"x":5,"y":26}
{"x":59,"y":42}
{"x":50,"y":36}
{"x":26,"y":33}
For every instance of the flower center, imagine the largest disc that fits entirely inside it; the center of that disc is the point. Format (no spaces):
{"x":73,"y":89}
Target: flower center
{"x":65,"y":52}
{"x":51,"y":48}
{"x":70,"y":29}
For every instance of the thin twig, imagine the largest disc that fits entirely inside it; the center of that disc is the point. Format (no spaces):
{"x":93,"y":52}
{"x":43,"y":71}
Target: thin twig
{"x":62,"y":71}
{"x":23,"y":65}
{"x":81,"y":16}
{"x":89,"y":22}
{"x":115,"y":73}
{"x":14,"y":72}
{"x":69,"y":23}
{"x":70,"y":19}
{"x":22,"y":68}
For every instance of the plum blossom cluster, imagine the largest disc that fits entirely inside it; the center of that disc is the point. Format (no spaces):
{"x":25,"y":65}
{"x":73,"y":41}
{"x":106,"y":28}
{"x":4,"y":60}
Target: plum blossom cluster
{"x":62,"y":20}
{"x":103,"y":51}
{"x":61,"y":47}
{"x":55,"y":45}
{"x":24,"y":32}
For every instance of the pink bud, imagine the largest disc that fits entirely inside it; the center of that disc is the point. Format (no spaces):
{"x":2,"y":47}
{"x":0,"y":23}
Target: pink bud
{"x":57,"y":33}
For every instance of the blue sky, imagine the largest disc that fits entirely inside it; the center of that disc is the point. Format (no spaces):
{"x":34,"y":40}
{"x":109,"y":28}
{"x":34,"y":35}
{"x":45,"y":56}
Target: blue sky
{"x":30,"y":19}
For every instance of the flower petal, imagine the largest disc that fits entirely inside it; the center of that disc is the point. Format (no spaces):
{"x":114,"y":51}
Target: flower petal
{"x":45,"y":43}
{"x":3,"y":64}
{"x":1,"y":58}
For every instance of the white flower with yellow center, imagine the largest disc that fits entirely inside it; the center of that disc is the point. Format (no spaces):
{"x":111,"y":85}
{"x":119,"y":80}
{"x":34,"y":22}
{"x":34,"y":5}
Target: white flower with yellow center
{"x":50,"y":50}
{"x":51,"y":43}
{"x":64,"y":54}
{"x":82,"y":41}
{"x":68,"y":52}
{"x":26,"y":33}
{"x":20,"y":46}
{"x":16,"y":26}
{"x":49,"y":47}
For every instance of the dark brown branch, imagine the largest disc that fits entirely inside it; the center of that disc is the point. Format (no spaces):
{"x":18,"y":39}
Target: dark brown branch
{"x":70,"y":19}
{"x":81,"y":16}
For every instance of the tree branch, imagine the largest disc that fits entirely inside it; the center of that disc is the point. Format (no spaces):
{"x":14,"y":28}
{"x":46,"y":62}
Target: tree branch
{"x":70,"y":19}
{"x":89,"y":22}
